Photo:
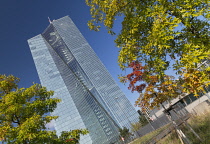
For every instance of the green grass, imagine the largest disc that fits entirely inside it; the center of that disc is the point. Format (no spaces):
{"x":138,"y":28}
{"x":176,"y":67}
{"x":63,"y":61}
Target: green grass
{"x":200,"y":124}
{"x":172,"y":138}
{"x":148,"y":136}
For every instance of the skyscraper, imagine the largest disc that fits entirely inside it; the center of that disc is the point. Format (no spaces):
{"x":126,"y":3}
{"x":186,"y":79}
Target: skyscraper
{"x":91,"y":99}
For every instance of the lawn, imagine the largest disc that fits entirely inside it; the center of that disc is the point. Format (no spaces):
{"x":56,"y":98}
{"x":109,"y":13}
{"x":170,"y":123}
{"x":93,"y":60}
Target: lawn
{"x":200,"y":124}
{"x":148,"y":136}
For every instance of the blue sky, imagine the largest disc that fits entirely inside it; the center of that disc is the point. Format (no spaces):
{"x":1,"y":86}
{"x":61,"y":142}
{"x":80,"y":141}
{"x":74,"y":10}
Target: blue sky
{"x":23,"y":19}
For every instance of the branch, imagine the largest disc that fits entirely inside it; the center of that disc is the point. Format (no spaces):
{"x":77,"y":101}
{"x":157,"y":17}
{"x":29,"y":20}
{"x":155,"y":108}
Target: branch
{"x":17,"y":119}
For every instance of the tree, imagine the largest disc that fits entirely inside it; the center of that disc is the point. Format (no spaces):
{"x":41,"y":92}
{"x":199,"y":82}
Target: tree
{"x":143,"y":120}
{"x":136,"y":126}
{"x":162,"y":35}
{"x":24,"y":113}
{"x":155,"y":92}
{"x":124,"y":132}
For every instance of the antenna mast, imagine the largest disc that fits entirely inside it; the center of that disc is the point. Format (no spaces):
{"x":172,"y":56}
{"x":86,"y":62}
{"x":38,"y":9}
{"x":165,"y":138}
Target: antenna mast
{"x":49,"y":20}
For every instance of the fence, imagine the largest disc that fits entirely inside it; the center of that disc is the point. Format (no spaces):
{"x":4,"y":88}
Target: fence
{"x":161,"y":121}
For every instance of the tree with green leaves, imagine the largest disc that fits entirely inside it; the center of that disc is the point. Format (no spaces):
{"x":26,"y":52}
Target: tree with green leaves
{"x":161,"y":35}
{"x":143,"y":120}
{"x":24,"y":113}
{"x":135,"y":126}
{"x":125,"y":133}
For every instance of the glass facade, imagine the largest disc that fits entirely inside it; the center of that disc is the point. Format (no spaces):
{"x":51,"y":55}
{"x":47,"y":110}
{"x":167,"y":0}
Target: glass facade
{"x":90,"y":97}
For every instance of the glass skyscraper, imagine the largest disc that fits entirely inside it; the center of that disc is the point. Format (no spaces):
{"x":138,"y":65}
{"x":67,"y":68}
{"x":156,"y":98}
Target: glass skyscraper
{"x":91,"y":99}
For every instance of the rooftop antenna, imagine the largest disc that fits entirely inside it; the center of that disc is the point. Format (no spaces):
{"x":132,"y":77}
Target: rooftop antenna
{"x":49,"y":20}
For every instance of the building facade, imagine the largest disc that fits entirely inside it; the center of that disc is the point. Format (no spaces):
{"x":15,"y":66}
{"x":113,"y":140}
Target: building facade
{"x":91,"y":99}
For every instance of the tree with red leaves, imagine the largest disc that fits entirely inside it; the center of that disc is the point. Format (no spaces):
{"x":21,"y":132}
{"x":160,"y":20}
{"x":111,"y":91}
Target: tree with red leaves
{"x":153,"y":90}
{"x":136,"y":76}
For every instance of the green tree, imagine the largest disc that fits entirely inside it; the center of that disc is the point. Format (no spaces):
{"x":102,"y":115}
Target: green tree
{"x":124,"y":132}
{"x":143,"y":120}
{"x":162,"y":35}
{"x":24,"y":113}
{"x":135,"y":126}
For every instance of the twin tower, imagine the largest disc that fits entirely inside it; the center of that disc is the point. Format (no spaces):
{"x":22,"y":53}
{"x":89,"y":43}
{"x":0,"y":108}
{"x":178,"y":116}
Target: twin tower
{"x":91,"y":99}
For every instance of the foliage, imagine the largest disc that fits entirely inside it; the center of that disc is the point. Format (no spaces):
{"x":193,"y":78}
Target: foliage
{"x":124,"y":132}
{"x":135,"y":126}
{"x":155,"y":92}
{"x":24,"y":114}
{"x":143,"y":120}
{"x":161,"y":34}
{"x":69,"y":137}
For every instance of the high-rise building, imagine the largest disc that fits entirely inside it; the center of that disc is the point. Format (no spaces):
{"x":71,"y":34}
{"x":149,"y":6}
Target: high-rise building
{"x":91,"y":99}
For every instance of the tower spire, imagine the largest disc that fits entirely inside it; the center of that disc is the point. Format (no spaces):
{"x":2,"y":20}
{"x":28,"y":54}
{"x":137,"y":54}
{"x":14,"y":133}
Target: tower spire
{"x":49,"y":20}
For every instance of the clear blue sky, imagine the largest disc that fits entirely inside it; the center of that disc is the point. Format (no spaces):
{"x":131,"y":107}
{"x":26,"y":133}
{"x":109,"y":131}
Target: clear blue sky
{"x":23,"y":19}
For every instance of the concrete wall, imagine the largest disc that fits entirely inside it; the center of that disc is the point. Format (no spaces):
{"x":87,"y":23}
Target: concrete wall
{"x":199,"y":104}
{"x":196,"y":106}
{"x":201,"y":108}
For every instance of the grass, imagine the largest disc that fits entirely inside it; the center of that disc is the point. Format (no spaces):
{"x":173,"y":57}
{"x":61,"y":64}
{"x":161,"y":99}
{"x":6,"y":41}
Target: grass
{"x":200,"y":124}
{"x":148,"y":136}
{"x":172,"y":138}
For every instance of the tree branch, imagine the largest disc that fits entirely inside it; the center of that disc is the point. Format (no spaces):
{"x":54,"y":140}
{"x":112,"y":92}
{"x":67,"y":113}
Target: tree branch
{"x":17,"y":119}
